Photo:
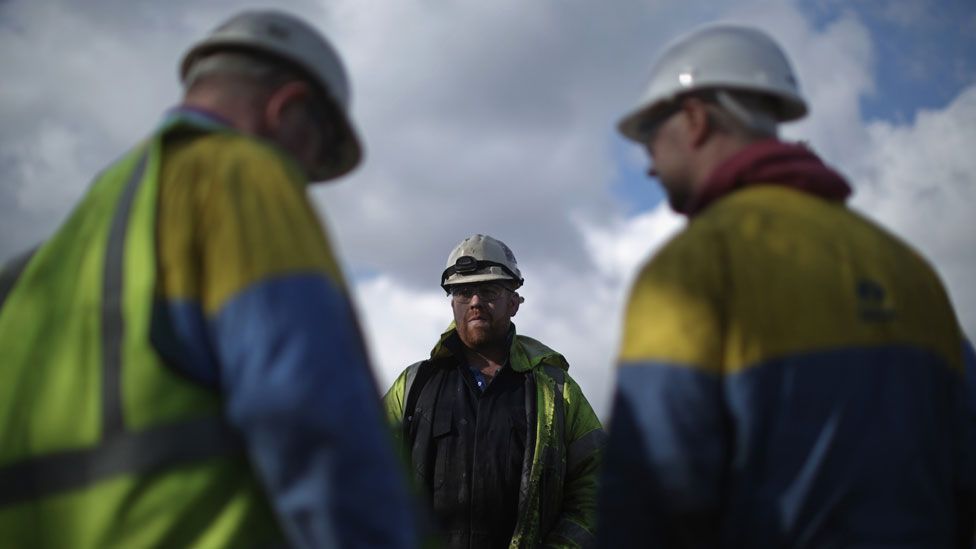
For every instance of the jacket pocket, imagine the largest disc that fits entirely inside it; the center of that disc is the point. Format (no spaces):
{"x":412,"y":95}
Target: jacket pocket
{"x":441,"y":430}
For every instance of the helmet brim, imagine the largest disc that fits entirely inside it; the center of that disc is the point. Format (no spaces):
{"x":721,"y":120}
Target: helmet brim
{"x":789,"y":108}
{"x":341,"y":158}
{"x":457,"y":279}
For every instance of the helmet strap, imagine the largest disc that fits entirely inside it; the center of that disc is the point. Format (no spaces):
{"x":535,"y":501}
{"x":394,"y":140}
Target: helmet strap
{"x":469,"y":265}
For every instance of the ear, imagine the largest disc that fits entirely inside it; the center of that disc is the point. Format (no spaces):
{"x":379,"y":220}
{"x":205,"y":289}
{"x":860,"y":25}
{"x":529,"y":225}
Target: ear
{"x":513,"y":304}
{"x":285,"y":95}
{"x":698,"y":121}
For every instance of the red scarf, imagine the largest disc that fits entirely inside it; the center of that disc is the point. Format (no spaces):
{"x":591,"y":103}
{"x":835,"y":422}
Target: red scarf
{"x":771,"y":162}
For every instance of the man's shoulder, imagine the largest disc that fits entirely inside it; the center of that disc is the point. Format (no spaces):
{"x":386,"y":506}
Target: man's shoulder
{"x":761,"y":219}
{"x":767,"y":214}
{"x":225,"y":143}
{"x":232,"y":156}
{"x":530,"y":354}
{"x":412,"y":368}
{"x":420,"y":369}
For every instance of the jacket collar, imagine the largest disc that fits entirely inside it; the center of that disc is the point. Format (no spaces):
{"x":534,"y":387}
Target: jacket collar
{"x":771,"y":162}
{"x":524,"y":353}
{"x":196,"y":118}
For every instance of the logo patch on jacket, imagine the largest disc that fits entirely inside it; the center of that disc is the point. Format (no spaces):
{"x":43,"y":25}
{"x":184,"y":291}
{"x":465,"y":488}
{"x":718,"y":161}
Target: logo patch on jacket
{"x":873,"y":302}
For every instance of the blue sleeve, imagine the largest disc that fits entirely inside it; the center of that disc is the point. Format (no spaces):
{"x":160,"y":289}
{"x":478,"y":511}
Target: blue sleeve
{"x":969,"y":359}
{"x":967,"y":497}
{"x":297,"y":384}
{"x":665,"y":459}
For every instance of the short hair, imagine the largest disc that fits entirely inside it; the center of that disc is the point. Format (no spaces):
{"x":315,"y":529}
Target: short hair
{"x":265,"y":74}
{"x":745,"y":114}
{"x":263,"y":71}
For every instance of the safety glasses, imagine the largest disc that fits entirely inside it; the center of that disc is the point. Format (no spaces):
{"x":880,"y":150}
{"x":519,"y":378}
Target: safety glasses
{"x":487,"y":292}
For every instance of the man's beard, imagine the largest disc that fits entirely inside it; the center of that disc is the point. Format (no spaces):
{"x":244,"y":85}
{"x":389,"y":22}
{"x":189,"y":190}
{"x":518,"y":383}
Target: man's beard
{"x":482,"y":336}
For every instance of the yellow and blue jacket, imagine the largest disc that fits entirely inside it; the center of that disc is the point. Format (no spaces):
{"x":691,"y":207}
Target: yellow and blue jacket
{"x":183,"y":366}
{"x":790,"y":375}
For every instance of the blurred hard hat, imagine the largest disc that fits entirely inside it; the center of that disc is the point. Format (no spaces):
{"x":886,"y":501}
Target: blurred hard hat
{"x":294,"y":41}
{"x":718,"y":57}
{"x":480,"y":258}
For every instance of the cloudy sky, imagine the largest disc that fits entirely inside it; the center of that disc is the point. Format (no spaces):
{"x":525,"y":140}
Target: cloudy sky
{"x":498,"y":117}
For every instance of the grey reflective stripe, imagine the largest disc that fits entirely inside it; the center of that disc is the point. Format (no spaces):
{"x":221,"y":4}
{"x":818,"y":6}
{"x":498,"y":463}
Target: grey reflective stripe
{"x":553,"y":457}
{"x":113,"y":328}
{"x":118,"y":452}
{"x":408,"y":383}
{"x":584,"y":446}
{"x":574,"y":533}
{"x":11,"y":272}
{"x":140,"y":453}
{"x":558,"y":375}
{"x":524,"y":516}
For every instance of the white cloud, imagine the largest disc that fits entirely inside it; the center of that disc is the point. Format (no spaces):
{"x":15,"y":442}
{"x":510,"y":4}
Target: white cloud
{"x":575,"y":310}
{"x":401,"y":325}
{"x":920,"y":180}
{"x":493,"y":117}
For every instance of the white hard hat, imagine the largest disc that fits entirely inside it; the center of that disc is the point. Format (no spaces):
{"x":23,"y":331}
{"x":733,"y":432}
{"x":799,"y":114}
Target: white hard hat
{"x":480,"y":258}
{"x":292,"y":40}
{"x":718,"y":57}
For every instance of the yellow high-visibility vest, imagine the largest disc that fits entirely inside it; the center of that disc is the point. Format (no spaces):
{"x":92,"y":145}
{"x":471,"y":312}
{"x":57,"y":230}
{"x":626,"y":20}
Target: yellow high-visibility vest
{"x":102,"y":445}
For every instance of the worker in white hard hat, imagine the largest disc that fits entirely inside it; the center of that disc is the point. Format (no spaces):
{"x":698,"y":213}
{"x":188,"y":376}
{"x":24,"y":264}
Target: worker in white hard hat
{"x":182,"y":365}
{"x":790,"y":373}
{"x":499,"y":437}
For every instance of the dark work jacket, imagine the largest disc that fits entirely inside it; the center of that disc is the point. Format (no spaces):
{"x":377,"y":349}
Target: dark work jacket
{"x":560,"y":456}
{"x":468,"y":448}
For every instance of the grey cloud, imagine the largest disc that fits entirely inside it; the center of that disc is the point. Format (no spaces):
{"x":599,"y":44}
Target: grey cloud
{"x":83,"y":85}
{"x":489,"y":117}
{"x":494,"y":118}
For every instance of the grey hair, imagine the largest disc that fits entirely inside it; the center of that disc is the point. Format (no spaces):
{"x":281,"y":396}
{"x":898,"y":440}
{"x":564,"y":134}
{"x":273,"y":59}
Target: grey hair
{"x":257,"y":69}
{"x":747,"y":114}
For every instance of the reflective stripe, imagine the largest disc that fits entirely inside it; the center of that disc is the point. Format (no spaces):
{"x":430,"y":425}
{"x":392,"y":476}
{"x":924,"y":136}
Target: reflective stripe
{"x":141,"y":453}
{"x":9,"y":276}
{"x":574,"y":533}
{"x":553,"y":457}
{"x":559,"y":376}
{"x":525,"y":517}
{"x":584,"y":446}
{"x":113,"y":329}
{"x":408,"y":383}
{"x":118,"y":452}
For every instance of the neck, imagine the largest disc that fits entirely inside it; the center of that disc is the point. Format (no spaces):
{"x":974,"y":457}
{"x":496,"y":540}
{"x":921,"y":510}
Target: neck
{"x":488,"y":360}
{"x":713,"y":154}
{"x":236,"y":109}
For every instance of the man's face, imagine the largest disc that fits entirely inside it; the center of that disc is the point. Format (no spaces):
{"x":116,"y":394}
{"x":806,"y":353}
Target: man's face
{"x":483,"y":313}
{"x":665,"y":146}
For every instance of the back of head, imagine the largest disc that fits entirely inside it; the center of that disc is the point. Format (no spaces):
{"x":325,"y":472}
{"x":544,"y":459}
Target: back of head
{"x":480,"y":258}
{"x":271,"y":46}
{"x":740,"y":69}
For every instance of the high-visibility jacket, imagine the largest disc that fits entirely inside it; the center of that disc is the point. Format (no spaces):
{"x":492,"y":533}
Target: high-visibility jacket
{"x":558,"y":491}
{"x":192,"y":285}
{"x":95,"y":429}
